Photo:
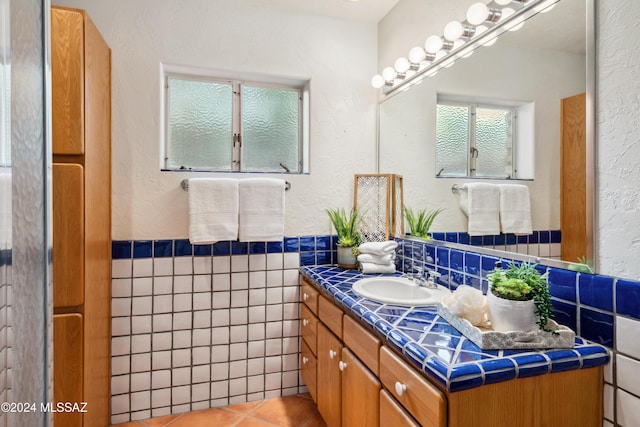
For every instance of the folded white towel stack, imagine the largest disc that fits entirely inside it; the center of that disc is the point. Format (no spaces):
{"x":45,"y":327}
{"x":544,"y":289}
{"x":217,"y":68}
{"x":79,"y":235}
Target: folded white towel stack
{"x":378,"y":257}
{"x":515,"y":209}
{"x":213,"y":210}
{"x":481,"y":203}
{"x":261,"y":210}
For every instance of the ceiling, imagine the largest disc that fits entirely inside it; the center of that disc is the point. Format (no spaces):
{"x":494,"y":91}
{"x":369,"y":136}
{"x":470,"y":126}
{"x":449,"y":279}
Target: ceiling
{"x":362,"y":10}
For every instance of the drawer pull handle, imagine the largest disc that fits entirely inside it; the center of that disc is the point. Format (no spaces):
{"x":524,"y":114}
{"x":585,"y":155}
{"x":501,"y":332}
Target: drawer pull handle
{"x":305,"y":296}
{"x":400,"y":388}
{"x":342,"y":365}
{"x":305,"y":322}
{"x":305,"y":360}
{"x":332,"y":354}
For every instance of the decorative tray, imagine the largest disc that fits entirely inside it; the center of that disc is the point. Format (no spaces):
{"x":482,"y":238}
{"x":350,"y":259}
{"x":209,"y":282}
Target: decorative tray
{"x":488,"y":339}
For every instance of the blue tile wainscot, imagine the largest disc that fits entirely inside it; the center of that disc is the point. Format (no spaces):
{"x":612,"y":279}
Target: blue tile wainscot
{"x":459,"y":368}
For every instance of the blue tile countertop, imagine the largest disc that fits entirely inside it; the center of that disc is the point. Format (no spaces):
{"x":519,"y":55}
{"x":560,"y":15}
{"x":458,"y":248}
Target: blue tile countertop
{"x":437,"y":348}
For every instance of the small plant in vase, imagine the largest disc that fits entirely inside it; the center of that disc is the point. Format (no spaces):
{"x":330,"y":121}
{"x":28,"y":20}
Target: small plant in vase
{"x":420,"y":222}
{"x":519,"y":298}
{"x":348,"y":236}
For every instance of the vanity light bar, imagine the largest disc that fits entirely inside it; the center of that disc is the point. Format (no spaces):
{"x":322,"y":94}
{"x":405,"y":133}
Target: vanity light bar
{"x":484,"y":22}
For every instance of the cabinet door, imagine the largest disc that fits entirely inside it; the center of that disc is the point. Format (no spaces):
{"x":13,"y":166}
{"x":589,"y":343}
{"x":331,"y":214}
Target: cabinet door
{"x":309,"y":328}
{"x":329,"y":387}
{"x":67,"y":366}
{"x":392,"y":414}
{"x":68,"y":235}
{"x":67,"y":81}
{"x":308,"y":370}
{"x":360,"y":393}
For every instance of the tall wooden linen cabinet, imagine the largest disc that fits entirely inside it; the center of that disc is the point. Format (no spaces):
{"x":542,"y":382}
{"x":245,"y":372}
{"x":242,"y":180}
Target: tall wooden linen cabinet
{"x":81,"y":93}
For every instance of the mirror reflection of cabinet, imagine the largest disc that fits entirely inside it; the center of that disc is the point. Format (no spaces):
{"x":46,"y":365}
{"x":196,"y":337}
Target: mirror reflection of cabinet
{"x":81,"y":121}
{"x":573,"y":178}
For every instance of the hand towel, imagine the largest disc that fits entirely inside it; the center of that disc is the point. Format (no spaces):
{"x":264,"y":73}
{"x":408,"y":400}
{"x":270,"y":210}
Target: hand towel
{"x":515,"y":209}
{"x":378,"y":248}
{"x":213,"y":210}
{"x":369,"y":268}
{"x":261,"y":209}
{"x":482,"y":208}
{"x":377,"y":259}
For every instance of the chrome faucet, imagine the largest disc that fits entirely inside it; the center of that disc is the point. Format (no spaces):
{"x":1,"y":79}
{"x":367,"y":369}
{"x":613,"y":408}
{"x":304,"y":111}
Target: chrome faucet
{"x":431,"y":282}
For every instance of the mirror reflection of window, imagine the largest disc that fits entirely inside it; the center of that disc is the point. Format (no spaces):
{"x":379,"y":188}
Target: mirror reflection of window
{"x":475,"y":140}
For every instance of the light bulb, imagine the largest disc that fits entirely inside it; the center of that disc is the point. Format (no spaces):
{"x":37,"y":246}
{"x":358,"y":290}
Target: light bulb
{"x":479,"y":30}
{"x":377,"y":81}
{"x":401,"y":65}
{"x":433,"y":44}
{"x":389,"y":74}
{"x":477,"y":13}
{"x":502,"y":2}
{"x":416,"y":55}
{"x":453,"y":31}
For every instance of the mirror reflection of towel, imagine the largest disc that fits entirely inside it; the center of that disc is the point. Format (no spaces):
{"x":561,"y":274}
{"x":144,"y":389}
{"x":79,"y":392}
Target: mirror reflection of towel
{"x":515,"y":209}
{"x":213,"y":210}
{"x":261,"y":214}
{"x":483,"y":208}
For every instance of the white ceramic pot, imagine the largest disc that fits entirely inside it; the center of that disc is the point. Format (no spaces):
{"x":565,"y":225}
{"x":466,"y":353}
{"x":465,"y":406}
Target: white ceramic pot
{"x":507,"y":315}
{"x":346,"y":258}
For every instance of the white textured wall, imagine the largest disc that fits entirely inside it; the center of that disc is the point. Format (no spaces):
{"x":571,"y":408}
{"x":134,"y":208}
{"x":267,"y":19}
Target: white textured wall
{"x":619,"y":138}
{"x":338,"y":56}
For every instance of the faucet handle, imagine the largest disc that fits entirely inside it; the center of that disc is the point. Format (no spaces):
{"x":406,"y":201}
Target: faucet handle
{"x":434,"y":275}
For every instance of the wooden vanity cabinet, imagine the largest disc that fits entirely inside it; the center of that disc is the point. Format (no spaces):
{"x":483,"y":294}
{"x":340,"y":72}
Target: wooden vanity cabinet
{"x":359,"y":385}
{"x":392,"y":414}
{"x":329,"y":385}
{"x":81,"y":181}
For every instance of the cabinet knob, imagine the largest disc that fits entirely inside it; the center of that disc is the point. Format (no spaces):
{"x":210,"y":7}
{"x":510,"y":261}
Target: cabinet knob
{"x":305,"y":322}
{"x":400,"y":388}
{"x":305,"y":296}
{"x":332,"y":354}
{"x":305,"y":360}
{"x":342,"y":365}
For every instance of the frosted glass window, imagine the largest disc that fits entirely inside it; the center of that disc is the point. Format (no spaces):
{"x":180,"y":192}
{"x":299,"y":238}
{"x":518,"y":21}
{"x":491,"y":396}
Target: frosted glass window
{"x":226,"y":125}
{"x":474,"y":140}
{"x":270,"y":129}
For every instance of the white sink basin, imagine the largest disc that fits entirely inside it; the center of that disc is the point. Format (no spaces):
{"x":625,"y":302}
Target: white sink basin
{"x":398,"y":290}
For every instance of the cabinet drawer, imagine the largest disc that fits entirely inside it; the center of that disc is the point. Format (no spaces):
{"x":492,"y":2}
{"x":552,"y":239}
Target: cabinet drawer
{"x":392,"y":414}
{"x":309,"y":328}
{"x":308,"y":365}
{"x":362,"y":342}
{"x":331,"y":315}
{"x":422,"y":399}
{"x":310,"y":296}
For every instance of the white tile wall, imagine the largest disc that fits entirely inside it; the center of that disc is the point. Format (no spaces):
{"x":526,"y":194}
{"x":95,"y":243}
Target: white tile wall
{"x":196,"y":332}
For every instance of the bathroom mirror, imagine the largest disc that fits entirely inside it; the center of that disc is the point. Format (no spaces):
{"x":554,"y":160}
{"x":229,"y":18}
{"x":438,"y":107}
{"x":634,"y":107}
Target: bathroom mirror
{"x":549,"y":59}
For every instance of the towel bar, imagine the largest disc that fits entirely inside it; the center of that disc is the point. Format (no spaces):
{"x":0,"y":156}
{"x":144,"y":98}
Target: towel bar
{"x":185,"y":185}
{"x":456,"y":189}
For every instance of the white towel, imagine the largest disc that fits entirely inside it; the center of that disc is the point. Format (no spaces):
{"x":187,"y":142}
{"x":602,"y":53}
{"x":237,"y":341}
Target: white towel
{"x":369,"y":268}
{"x":481,"y":204}
{"x":213,"y":210}
{"x":261,"y":209}
{"x":377,"y":259}
{"x":378,"y":248}
{"x":515,"y":209}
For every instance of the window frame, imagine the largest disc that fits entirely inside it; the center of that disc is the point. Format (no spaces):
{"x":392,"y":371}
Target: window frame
{"x":237,"y":82}
{"x":473,"y":106}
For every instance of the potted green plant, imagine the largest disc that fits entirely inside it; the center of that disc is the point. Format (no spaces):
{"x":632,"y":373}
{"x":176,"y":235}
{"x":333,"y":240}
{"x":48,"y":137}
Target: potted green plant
{"x":518,"y":298}
{"x":348,"y":236}
{"x":420,"y":222}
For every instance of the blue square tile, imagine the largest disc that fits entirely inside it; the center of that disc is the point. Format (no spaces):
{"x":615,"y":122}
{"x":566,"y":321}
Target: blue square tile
{"x":456,"y":260}
{"x":430,"y":254}
{"x":545,"y":236}
{"x":628,"y":298}
{"x":499,"y":240}
{"x":121,"y":249}
{"x":222,"y":248}
{"x":307,"y":258}
{"x":596,"y":291}
{"x":442,"y":257}
{"x":444,"y":276}
{"x":534,"y":237}
{"x":451,"y":237}
{"x":596,"y":326}
{"x":463,"y":238}
{"x":307,"y":243}
{"x":498,"y":370}
{"x":510,"y":239}
{"x":142,"y":248}
{"x":523,"y":240}
{"x":291,"y":244}
{"x":562,"y":284}
{"x":474,"y":282}
{"x":476,"y":240}
{"x":438,"y":236}
{"x":487,"y":240}
{"x":257,"y":247}
{"x":239,"y":248}
{"x":563,"y":360}
{"x":323,"y":257}
{"x":556,"y":236}
{"x":472,"y":263}
{"x":323,"y":243}
{"x":467,"y":370}
{"x":456,"y":279}
{"x":488,"y":264}
{"x":398,"y":338}
{"x":162,"y":248}
{"x":202,"y":250}
{"x":275,"y":247}
{"x":564,"y":314}
{"x":182,"y":248}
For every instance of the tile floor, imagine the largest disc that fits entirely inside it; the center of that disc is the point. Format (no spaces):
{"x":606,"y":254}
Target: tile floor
{"x":289,"y":411}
